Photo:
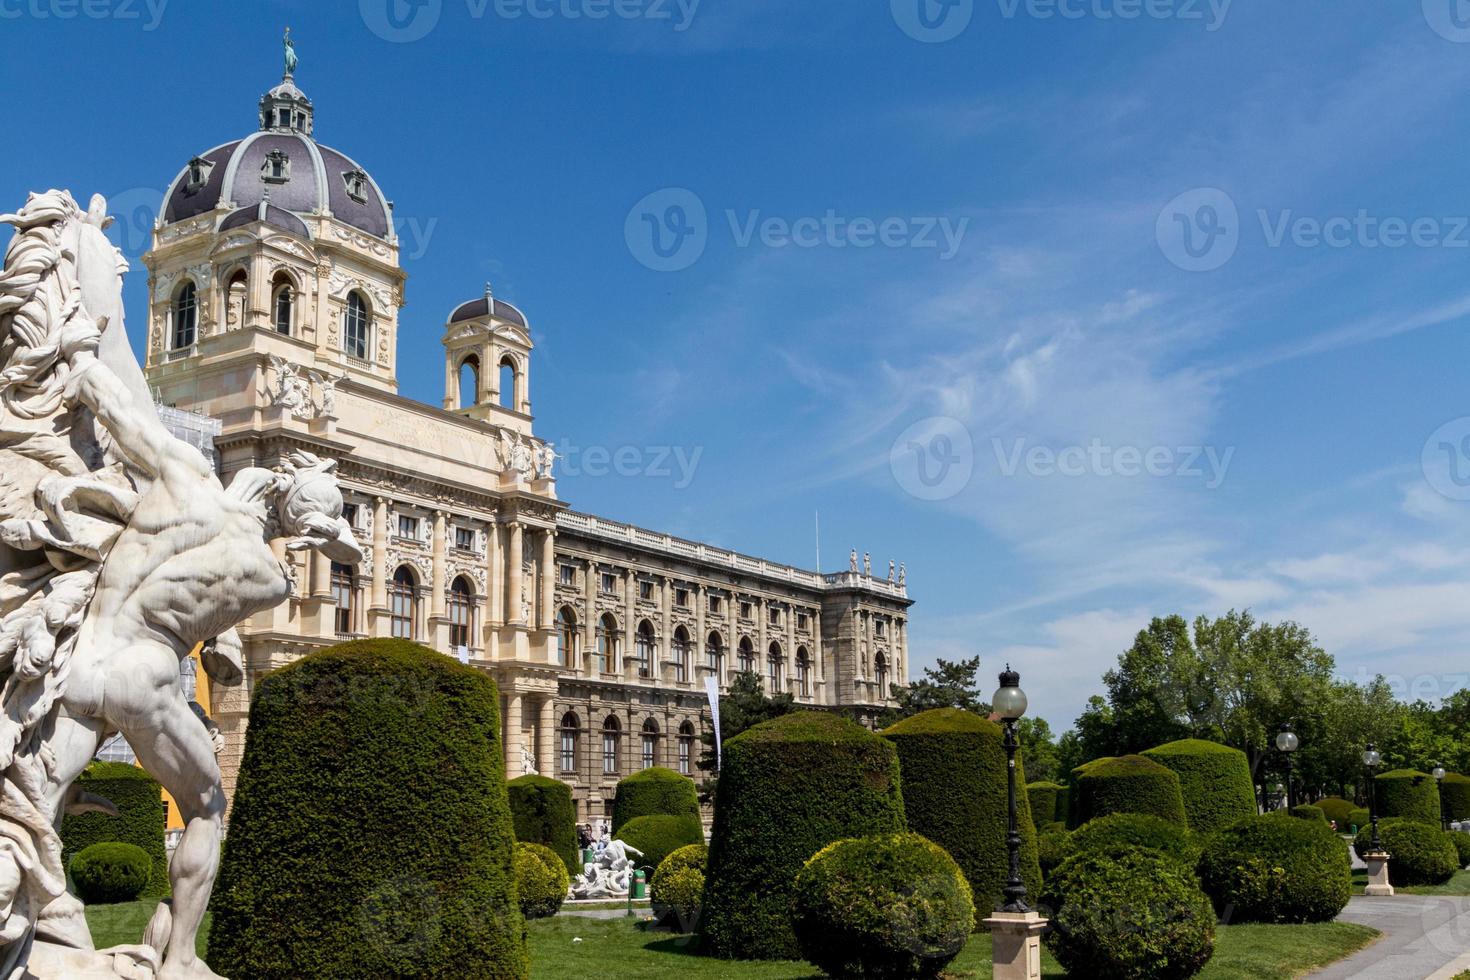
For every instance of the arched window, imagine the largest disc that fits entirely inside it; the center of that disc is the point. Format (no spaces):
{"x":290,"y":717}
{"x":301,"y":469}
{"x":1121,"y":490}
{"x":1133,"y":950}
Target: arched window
{"x":643,"y":649}
{"x":565,"y":654}
{"x":461,"y":613}
{"x":650,"y":744}
{"x":776,"y":668}
{"x":283,"y":302}
{"x":186,"y":317}
{"x":803,"y":673}
{"x":714,"y":652}
{"x":607,"y":644}
{"x":880,"y":673}
{"x":510,"y":377}
{"x":403,"y":604}
{"x":237,"y":299}
{"x":469,"y":382}
{"x":570,"y":728}
{"x":611,"y":735}
{"x":681,"y":654}
{"x":356,"y":327}
{"x":686,"y":748}
{"x":345,"y":594}
{"x":746,"y":656}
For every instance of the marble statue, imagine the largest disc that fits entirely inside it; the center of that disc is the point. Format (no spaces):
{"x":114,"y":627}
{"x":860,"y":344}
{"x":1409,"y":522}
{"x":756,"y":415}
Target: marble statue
{"x":120,"y":554}
{"x":852,"y":561}
{"x":610,"y":875}
{"x":528,"y":763}
{"x":546,"y":458}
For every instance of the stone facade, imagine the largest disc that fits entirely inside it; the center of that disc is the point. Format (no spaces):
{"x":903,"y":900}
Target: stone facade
{"x":282,"y":326}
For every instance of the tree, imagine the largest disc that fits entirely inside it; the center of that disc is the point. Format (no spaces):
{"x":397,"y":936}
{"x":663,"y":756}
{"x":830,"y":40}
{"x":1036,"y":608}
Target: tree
{"x":1038,"y":750}
{"x":945,"y":685}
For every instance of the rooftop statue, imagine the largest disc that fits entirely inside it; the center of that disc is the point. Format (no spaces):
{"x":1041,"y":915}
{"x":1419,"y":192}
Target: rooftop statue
{"x":120,"y":554}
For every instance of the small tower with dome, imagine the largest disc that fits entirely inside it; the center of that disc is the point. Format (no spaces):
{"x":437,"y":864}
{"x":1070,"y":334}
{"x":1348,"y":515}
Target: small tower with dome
{"x":487,"y":359}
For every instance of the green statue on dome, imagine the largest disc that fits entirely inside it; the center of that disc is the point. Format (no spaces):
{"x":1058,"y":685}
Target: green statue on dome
{"x":291,"y":60}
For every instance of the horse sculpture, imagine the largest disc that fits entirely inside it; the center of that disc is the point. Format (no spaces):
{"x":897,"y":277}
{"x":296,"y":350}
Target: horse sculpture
{"x":120,"y":554}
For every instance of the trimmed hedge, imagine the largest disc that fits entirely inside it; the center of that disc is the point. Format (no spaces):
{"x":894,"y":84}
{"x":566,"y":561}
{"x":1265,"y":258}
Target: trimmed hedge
{"x":1126,"y":831}
{"x":653,"y":791}
{"x":1133,"y":913}
{"x":1073,"y":800}
{"x":677,"y":888}
{"x":542,"y":812}
{"x":1418,"y":853}
{"x":139,"y":820}
{"x":1276,"y":868}
{"x":541,"y":880}
{"x":790,"y":787}
{"x":371,"y":806}
{"x":1052,"y":848}
{"x":954,"y":792}
{"x":105,"y":874}
{"x":1307,"y":811}
{"x":1045,"y":800}
{"x":1461,"y":842}
{"x":1359,"y":818}
{"x":1129,"y":784}
{"x":1408,"y":793}
{"x":1455,"y":791}
{"x":660,"y":834}
{"x":891,"y":905}
{"x":1336,"y":808}
{"x":1214,"y":781}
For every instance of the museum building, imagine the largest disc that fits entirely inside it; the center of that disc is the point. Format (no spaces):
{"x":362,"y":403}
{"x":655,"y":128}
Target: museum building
{"x":275,"y":298}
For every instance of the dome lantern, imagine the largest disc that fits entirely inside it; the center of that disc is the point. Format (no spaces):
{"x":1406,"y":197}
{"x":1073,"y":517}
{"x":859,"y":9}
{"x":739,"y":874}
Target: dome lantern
{"x":285,"y":108}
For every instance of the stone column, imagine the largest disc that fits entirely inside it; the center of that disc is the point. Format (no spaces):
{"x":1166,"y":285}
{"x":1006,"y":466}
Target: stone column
{"x":379,"y":601}
{"x":1378,"y":884}
{"x":515,"y":613}
{"x":630,"y":599}
{"x":1016,"y":945}
{"x":321,"y":575}
{"x":700,"y":637}
{"x":590,"y":585}
{"x":663,"y":642}
{"x":494,"y":577}
{"x":436,"y":601}
{"x":546,"y":739}
{"x":762,"y":616}
{"x":513,"y":736}
{"x":548,"y":579}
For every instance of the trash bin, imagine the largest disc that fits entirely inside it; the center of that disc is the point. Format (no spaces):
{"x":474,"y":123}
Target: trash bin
{"x":1353,"y":829}
{"x":639,"y":890}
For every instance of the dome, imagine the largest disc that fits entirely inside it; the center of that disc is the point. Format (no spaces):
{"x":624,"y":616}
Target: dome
{"x":269,"y":214}
{"x":477,"y":308}
{"x":283,"y":165}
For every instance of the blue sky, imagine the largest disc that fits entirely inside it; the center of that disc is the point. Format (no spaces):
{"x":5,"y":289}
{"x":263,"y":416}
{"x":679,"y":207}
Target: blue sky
{"x":1195,"y":339}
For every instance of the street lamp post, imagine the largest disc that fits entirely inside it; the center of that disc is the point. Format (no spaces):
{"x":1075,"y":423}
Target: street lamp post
{"x":1379,"y":883}
{"x":1439,"y":774}
{"x":1286,"y":744}
{"x":1371,"y":760}
{"x":1010,"y":704}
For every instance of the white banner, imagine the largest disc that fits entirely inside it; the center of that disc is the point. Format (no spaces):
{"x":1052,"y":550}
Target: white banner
{"x":712,"y":690}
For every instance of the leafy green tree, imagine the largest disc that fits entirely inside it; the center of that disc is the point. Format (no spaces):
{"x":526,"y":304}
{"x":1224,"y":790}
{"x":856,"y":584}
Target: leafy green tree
{"x":945,"y":685}
{"x":1038,"y":750}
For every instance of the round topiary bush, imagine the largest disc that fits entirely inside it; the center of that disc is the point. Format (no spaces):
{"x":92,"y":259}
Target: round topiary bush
{"x":1461,"y":841}
{"x":1131,"y":913}
{"x":541,"y":880}
{"x":891,"y":905}
{"x":1214,"y":781}
{"x":1052,"y":848}
{"x":790,"y":787}
{"x":677,"y":889}
{"x":651,"y":792}
{"x":1044,"y":800}
{"x":1127,"y":831}
{"x":371,"y":805}
{"x":1338,"y":809}
{"x":658,"y":835}
{"x":1408,"y":793}
{"x":105,"y":874}
{"x":1275,"y":868}
{"x":1129,"y":784}
{"x":954,"y":793}
{"x":1307,"y":811}
{"x":1358,"y":818}
{"x":1420,"y":854}
{"x":542,"y":812}
{"x":1455,"y":793}
{"x":139,"y":820}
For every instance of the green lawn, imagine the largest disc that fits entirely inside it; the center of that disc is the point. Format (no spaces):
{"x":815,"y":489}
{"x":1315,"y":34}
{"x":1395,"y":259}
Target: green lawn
{"x":1458,"y":885}
{"x":123,"y":925}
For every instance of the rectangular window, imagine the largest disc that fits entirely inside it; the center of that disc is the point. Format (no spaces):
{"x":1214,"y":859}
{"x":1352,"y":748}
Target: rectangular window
{"x":686,"y":749}
{"x":714,"y":604}
{"x":408,"y":527}
{"x":801,"y":620}
{"x":609,"y":752}
{"x":880,"y":628}
{"x":349,"y":514}
{"x":681,"y":598}
{"x":745,"y":610}
{"x":775,"y":616}
{"x":567,"y":575}
{"x":464,"y":538}
{"x":650,"y":751}
{"x":344,"y":593}
{"x":609,"y":583}
{"x":568,"y":751}
{"x":645,"y":590}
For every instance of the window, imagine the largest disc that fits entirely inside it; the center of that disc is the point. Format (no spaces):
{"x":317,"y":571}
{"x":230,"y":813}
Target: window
{"x":569,"y":730}
{"x":464,"y":538}
{"x":356,"y":325}
{"x":357,"y":185}
{"x":469,"y":382}
{"x":349,"y":514}
{"x":681,"y":598}
{"x":565,"y":654}
{"x":510,"y":377}
{"x":803,"y":673}
{"x":645,"y":590}
{"x":610,"y":738}
{"x":801,"y":621}
{"x":650,"y":744}
{"x":880,"y":671}
{"x":714,"y":604}
{"x":880,"y":628}
{"x":344,"y":593}
{"x":686,"y":748}
{"x":745,"y":611}
{"x":277,"y":166}
{"x":281,"y":309}
{"x":607,"y":644}
{"x":747,"y":657}
{"x":775,"y":616}
{"x":566,"y":575}
{"x":408,"y":527}
{"x":643,"y":649}
{"x":608,"y":584}
{"x":403,"y":604}
{"x":199,"y":171}
{"x":186,"y":317}
{"x":681,"y":656}
{"x":461,"y":613}
{"x":237,"y":300}
{"x":775,"y":669}
{"x":713,"y":652}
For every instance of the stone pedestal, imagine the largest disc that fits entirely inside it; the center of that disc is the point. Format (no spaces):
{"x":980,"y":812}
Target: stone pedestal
{"x":1377,"y":874}
{"x":1015,"y":939}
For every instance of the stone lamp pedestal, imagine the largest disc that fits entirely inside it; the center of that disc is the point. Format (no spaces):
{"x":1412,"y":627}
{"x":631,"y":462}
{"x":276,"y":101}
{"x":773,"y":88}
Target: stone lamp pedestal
{"x":1016,"y":945}
{"x":1378,"y":884}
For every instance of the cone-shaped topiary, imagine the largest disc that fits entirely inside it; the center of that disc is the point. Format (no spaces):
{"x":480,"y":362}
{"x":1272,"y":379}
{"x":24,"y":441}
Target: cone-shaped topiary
{"x":1129,"y":784}
{"x":658,"y":835}
{"x":790,"y":787}
{"x":1276,"y":868}
{"x":541,"y":880}
{"x":654,"y":791}
{"x":139,"y":819}
{"x":1408,"y":793}
{"x":1420,"y":854}
{"x":543,"y":813}
{"x":1336,"y":808}
{"x":890,"y":905}
{"x":954,"y":793}
{"x":1045,"y":799}
{"x":1455,"y":793}
{"x":105,"y":874}
{"x":1214,"y":781}
{"x":371,"y":836}
{"x":1074,"y":817}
